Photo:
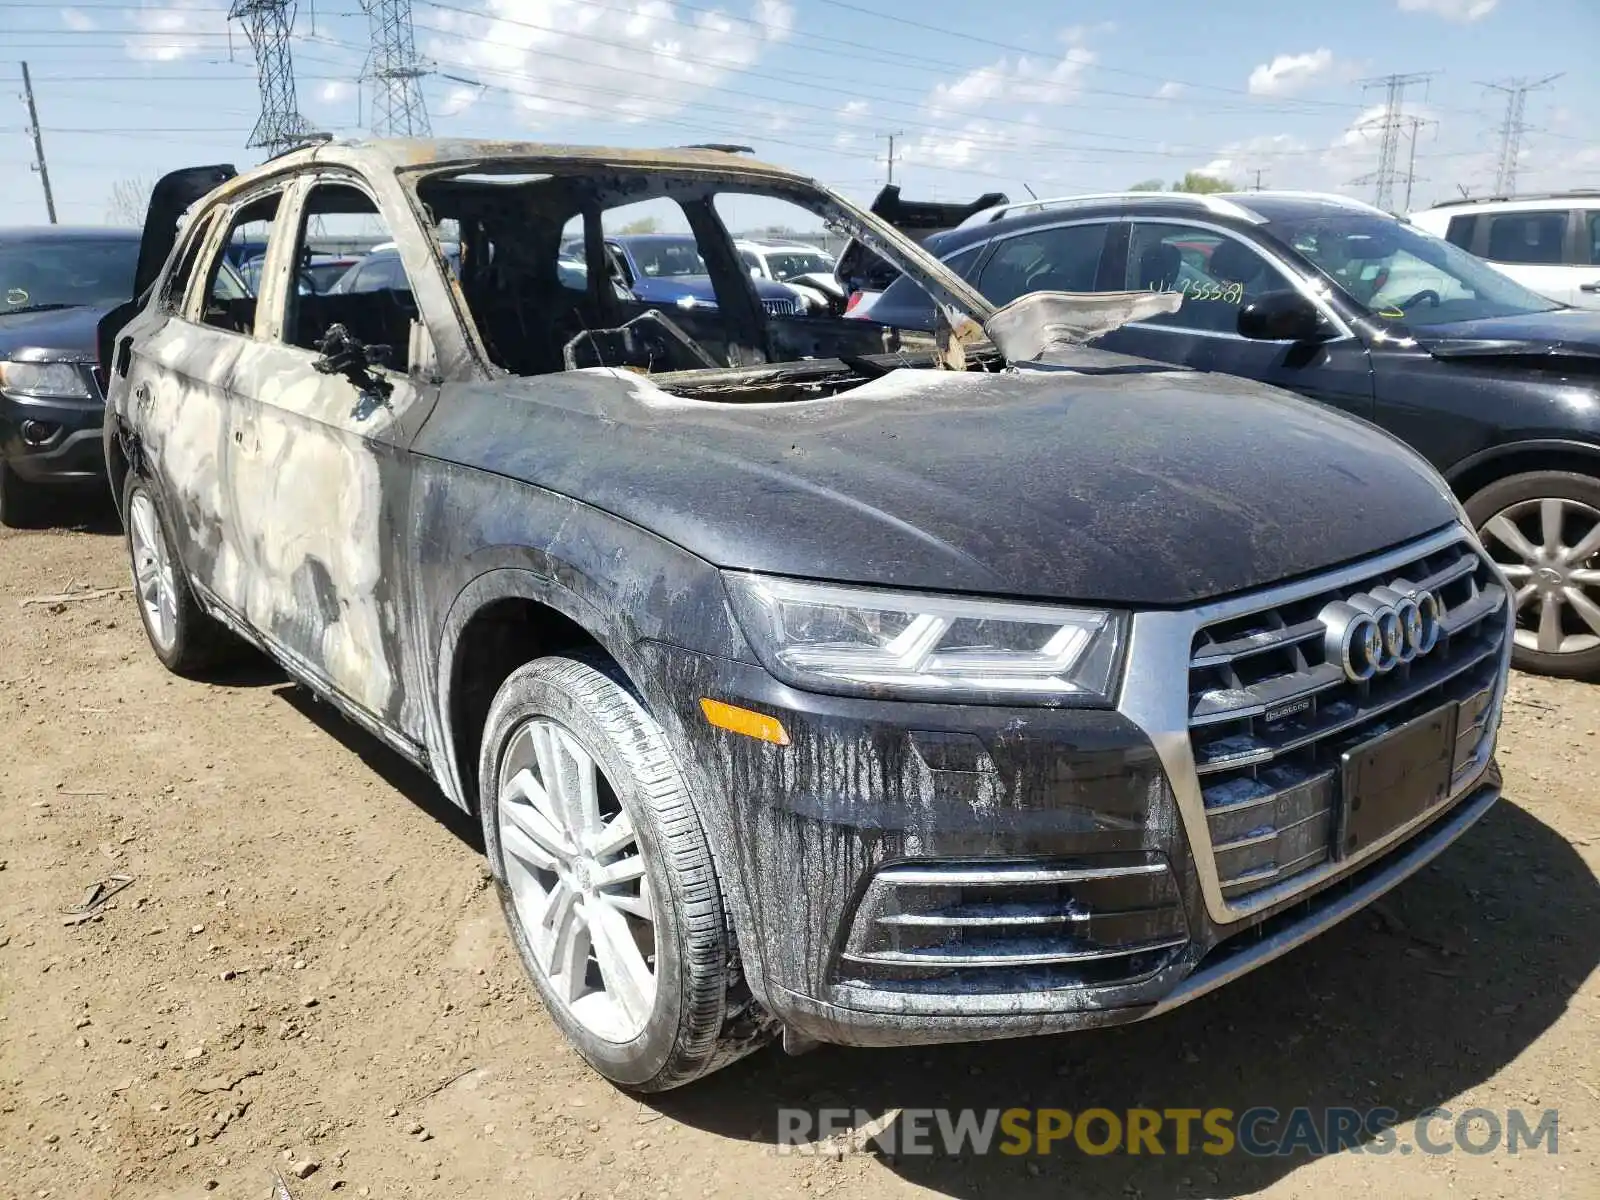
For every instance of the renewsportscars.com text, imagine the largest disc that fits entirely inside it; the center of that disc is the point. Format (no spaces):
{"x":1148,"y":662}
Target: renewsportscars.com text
{"x":1258,"y":1132}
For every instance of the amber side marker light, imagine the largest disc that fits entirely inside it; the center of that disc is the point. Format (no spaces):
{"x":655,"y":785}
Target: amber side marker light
{"x":742,"y":720}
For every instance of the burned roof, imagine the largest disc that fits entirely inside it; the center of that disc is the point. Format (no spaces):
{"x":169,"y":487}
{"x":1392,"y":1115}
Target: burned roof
{"x":414,"y":153}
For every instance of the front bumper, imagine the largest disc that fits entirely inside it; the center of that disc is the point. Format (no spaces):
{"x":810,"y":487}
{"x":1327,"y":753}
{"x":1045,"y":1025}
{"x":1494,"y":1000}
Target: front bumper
{"x":909,"y":872}
{"x":52,"y":440}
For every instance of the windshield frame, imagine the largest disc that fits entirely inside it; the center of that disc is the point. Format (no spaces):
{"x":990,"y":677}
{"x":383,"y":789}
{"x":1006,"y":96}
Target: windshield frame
{"x":1454,"y":263}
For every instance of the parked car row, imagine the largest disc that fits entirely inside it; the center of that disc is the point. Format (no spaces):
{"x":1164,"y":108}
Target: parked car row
{"x":812,"y":677}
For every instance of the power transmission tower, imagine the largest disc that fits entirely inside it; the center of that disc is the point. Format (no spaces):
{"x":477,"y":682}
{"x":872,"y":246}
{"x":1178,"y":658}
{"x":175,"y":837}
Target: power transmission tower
{"x":267,"y":24}
{"x":394,"y":71}
{"x":1383,"y":179}
{"x":1512,"y":129}
{"x":891,"y":159}
{"x":38,"y":145}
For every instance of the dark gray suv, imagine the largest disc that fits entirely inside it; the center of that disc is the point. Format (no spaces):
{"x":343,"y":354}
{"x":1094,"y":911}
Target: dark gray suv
{"x":805,"y":679}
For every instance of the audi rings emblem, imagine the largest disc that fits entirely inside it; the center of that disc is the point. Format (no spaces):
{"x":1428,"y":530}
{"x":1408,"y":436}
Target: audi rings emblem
{"x":1373,"y":632}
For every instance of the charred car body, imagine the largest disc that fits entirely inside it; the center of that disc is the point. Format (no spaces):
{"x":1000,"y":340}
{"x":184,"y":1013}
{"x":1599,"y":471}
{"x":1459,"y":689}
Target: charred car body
{"x":873,"y":692}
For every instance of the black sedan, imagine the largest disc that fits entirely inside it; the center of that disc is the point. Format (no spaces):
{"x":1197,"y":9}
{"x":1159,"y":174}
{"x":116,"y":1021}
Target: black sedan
{"x":1497,"y":386}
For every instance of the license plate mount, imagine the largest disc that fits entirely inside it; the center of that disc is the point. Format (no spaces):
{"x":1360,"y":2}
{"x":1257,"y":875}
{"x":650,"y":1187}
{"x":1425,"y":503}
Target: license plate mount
{"x":1396,"y":776}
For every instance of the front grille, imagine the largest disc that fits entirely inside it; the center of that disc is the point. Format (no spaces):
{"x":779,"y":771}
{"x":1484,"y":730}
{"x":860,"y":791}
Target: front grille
{"x":779,"y":308}
{"x":1270,"y":715}
{"x":995,"y":926}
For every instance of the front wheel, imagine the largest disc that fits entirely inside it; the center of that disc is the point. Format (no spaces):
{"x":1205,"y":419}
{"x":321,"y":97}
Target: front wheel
{"x":606,"y":878}
{"x":1543,"y":529}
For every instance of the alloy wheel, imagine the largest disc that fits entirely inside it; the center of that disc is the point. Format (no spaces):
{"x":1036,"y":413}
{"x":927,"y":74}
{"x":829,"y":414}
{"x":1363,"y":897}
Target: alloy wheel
{"x":577,"y":877}
{"x":153,"y":573}
{"x":1549,"y":550}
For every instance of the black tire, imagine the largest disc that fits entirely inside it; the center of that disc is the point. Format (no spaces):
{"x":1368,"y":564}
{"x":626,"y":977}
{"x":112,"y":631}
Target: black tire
{"x":1504,"y":494}
{"x":21,"y":502}
{"x":702,"y":1017}
{"x":199,"y":644}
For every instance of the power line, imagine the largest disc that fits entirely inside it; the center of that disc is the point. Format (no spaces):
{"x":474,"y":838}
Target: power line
{"x":398,"y":109}
{"x":1383,"y":179}
{"x":267,"y":24}
{"x":1512,"y":129}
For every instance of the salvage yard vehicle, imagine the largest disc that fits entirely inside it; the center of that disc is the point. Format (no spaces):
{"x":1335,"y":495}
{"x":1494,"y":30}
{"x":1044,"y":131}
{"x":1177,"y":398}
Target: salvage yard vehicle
{"x":1497,"y":386}
{"x":972,"y":688}
{"x":1549,"y":243}
{"x":55,"y":285}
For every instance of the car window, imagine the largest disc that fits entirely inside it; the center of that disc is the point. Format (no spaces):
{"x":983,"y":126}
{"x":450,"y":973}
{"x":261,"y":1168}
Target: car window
{"x":376,"y":307}
{"x":789,"y":264}
{"x":225,"y":306}
{"x":749,"y":259}
{"x":904,"y":303}
{"x":657,"y":256}
{"x":1064,"y":259}
{"x":381,"y":271}
{"x":177,"y":284}
{"x":57,"y":272}
{"x":1216,"y":274}
{"x":1400,"y":273}
{"x":1460,"y":231}
{"x":1592,"y":225}
{"x":1533,"y":237}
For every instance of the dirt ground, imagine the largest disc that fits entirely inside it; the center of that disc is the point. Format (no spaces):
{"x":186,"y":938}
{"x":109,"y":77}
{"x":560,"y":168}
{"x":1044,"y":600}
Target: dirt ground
{"x":308,"y":967}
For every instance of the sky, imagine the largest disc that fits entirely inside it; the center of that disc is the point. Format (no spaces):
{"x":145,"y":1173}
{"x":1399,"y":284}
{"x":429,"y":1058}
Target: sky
{"x":1057,"y":97}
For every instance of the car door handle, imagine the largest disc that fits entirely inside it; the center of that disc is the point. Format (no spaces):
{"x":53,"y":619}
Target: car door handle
{"x":1590,"y":287}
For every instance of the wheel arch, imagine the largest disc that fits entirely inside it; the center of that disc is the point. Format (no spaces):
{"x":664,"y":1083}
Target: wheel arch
{"x":501,"y":620}
{"x":555,"y":619}
{"x":1478,"y":471}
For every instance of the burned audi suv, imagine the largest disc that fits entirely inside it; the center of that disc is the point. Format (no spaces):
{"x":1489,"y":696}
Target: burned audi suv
{"x":808,"y":677}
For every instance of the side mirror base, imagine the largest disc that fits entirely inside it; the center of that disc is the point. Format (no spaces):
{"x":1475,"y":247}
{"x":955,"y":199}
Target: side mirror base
{"x":1283,"y":316}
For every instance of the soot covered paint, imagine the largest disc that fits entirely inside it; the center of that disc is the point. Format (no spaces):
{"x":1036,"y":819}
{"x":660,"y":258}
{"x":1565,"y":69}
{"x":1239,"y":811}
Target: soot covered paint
{"x":368,"y":546}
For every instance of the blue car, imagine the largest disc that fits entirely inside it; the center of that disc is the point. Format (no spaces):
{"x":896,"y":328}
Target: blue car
{"x":666,"y":268}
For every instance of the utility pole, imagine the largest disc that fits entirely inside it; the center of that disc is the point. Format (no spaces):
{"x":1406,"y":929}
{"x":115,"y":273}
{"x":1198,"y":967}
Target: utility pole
{"x":1257,"y":188}
{"x":1416,"y":123}
{"x":1512,"y":128}
{"x":891,"y":159}
{"x":267,"y":23}
{"x":398,"y":109}
{"x":38,"y":145}
{"x":1384,"y":178}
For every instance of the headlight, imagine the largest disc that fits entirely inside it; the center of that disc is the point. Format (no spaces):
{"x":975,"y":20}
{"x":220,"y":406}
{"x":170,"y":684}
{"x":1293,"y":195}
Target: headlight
{"x":695,"y":302}
{"x":44,"y":379}
{"x":862,"y":641}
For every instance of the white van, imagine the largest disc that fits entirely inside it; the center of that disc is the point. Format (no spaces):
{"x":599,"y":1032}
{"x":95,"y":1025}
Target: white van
{"x":1549,"y":243}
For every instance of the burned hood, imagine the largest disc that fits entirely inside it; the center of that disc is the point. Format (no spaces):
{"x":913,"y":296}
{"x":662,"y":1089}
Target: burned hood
{"x":1141,"y":489}
{"x":1562,"y":333}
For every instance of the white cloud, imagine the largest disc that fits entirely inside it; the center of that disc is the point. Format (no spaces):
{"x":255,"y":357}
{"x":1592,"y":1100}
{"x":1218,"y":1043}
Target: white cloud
{"x":1278,"y":156}
{"x":1169,"y":91}
{"x":170,"y":32}
{"x":1013,"y":87}
{"x":853,"y":110}
{"x":1451,"y":10}
{"x":78,"y":22}
{"x":1289,"y":72}
{"x":566,"y":58}
{"x":1012,"y":82}
{"x":335,"y":91}
{"x":457,"y":101}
